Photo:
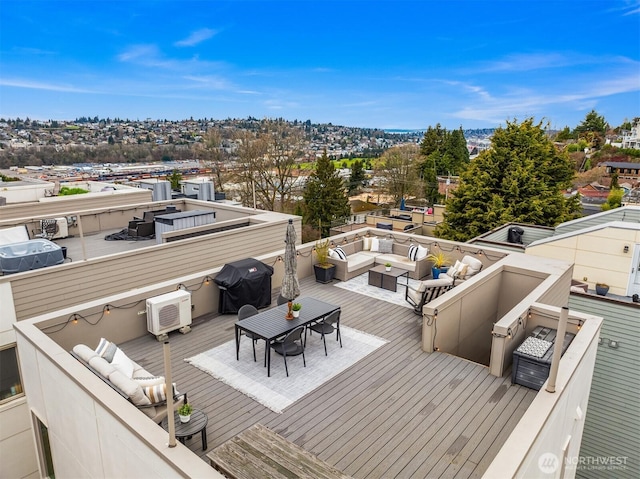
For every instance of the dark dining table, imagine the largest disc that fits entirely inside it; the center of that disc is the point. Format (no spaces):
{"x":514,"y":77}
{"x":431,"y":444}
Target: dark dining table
{"x":272,"y":324}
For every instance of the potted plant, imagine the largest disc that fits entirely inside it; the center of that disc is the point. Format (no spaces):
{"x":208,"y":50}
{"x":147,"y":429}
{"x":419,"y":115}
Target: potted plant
{"x":602,"y":289}
{"x":440,"y":261}
{"x":296,"y":307}
{"x":387,"y":266}
{"x":184,"y":412}
{"x":324,"y":270}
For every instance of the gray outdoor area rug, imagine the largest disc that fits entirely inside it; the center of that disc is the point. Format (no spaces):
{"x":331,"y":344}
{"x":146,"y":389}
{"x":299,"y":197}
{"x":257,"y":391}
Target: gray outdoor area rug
{"x":279,"y":391}
{"x":360,"y":284}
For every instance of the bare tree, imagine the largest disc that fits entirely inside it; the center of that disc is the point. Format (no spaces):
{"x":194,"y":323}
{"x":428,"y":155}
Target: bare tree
{"x":399,"y":168}
{"x":215,"y":157}
{"x":251,"y":154}
{"x":266,"y":164}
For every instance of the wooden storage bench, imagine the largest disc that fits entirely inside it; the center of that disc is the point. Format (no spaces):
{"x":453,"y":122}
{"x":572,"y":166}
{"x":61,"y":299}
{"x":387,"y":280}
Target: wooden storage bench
{"x":260,"y":453}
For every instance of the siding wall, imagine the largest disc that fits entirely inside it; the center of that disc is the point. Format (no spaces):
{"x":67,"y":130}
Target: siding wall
{"x":612,"y":424}
{"x":598,"y":256}
{"x":628,"y":213}
{"x":63,"y":205}
{"x":80,"y":282}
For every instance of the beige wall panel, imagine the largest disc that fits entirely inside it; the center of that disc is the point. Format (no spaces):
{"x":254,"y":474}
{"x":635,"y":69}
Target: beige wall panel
{"x":62,"y":206}
{"x":514,"y":286}
{"x":67,"y":285}
{"x":553,"y":250}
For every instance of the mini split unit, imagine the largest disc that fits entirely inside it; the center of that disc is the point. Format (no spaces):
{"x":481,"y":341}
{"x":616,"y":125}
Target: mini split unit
{"x":168,"y":312}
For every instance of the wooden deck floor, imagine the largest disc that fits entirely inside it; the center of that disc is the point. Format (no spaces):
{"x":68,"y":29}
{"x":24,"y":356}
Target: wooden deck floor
{"x":399,"y":412}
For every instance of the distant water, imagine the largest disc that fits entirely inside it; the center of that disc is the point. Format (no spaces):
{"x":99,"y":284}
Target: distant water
{"x":402,"y":132}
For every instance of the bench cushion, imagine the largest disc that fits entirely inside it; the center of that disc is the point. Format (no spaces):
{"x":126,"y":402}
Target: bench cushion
{"x":397,"y":261}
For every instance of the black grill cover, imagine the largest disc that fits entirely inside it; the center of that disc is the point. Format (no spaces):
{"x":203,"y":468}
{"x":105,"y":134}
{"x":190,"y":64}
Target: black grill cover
{"x":515,"y":235}
{"x":247,"y":281}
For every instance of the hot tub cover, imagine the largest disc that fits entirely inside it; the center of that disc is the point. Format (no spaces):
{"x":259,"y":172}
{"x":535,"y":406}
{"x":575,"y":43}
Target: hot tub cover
{"x":28,"y":255}
{"x":247,"y":281}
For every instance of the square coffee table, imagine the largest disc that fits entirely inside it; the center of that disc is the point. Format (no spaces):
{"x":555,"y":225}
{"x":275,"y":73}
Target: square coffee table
{"x":380,"y":277}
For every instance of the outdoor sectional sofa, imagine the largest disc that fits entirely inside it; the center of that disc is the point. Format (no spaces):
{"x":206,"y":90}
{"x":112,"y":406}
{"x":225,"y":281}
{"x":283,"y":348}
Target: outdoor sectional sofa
{"x":365,"y":253}
{"x":129,"y":379}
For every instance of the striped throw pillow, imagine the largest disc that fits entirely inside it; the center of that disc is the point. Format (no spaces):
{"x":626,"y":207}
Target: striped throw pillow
{"x":413,"y":252}
{"x":340,"y":253}
{"x":157,"y":393}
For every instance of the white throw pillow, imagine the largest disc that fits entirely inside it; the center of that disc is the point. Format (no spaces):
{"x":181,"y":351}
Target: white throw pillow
{"x":422,"y":252}
{"x":375,"y":244}
{"x":453,"y":270}
{"x":366,"y":243}
{"x":122,"y":363}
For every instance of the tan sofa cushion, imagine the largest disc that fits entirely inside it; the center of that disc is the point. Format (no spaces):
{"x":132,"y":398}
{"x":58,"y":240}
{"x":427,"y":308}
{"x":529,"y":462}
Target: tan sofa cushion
{"x":397,"y":261}
{"x":358,"y":260}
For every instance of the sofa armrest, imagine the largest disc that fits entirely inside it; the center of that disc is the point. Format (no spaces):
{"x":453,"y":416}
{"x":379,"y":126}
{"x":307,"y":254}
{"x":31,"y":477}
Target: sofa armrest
{"x":341,"y":268}
{"x":423,"y":268}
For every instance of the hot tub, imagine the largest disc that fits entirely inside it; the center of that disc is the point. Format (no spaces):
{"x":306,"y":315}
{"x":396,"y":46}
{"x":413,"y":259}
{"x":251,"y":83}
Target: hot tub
{"x":28,"y":255}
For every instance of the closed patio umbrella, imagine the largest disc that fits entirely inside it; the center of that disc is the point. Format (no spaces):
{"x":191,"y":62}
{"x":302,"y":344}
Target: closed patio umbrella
{"x":290,"y":287}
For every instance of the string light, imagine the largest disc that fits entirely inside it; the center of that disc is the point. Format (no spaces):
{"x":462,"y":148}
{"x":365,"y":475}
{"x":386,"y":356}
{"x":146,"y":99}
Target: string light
{"x":107,"y":310}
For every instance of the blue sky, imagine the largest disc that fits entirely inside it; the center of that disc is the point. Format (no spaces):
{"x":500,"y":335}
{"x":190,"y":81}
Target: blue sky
{"x":383,"y":64}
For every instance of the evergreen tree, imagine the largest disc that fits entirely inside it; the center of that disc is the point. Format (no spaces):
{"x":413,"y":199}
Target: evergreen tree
{"x":521,"y":179}
{"x":324,"y":196}
{"x":356,"y":179}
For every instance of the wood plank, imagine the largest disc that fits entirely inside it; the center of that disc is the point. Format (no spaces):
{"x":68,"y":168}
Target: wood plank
{"x":271,"y":455}
{"x":365,"y":420}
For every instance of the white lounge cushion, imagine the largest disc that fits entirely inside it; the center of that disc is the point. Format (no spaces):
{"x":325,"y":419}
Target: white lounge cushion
{"x":375,"y":244}
{"x":84,"y":352}
{"x":443,"y":280}
{"x":102,"y":366}
{"x":397,"y":261}
{"x":475,"y":265}
{"x":123,"y":364}
{"x":359,"y":260}
{"x":130,"y":387}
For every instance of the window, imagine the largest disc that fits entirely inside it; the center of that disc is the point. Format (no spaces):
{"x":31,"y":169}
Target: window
{"x":44,"y":448}
{"x":10,"y":382}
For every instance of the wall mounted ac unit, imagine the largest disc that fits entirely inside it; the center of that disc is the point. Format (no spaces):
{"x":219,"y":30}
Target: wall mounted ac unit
{"x":168,"y":312}
{"x":63,"y":228}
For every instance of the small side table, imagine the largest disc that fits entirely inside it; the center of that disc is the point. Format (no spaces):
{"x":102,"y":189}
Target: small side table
{"x":184,"y":430}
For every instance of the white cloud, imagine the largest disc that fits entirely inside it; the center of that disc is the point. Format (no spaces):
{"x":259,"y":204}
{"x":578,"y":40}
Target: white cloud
{"x":35,"y":85}
{"x":196,"y":37}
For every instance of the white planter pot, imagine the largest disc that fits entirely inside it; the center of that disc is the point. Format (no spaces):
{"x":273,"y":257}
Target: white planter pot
{"x":296,"y":313}
{"x":184,"y":418}
{"x":388,"y":268}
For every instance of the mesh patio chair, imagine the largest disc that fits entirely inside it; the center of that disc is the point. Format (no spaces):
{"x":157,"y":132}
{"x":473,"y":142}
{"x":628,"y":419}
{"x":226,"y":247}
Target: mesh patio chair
{"x":291,"y":345}
{"x":48,"y":228}
{"x":244,"y":312}
{"x":326,"y":326}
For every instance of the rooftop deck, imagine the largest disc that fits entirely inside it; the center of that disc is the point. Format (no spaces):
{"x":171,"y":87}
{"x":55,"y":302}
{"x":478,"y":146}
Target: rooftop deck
{"x":96,"y":245}
{"x":399,"y":412}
